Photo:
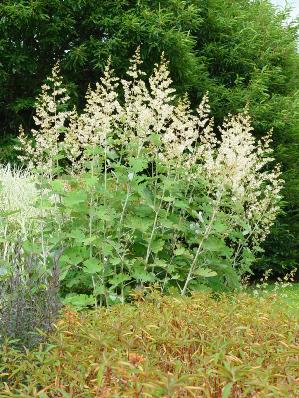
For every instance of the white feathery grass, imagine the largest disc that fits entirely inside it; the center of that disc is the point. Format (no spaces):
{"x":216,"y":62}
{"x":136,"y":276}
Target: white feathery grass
{"x":18,"y":195}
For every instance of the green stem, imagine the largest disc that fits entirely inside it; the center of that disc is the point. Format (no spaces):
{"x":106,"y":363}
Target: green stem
{"x":199,"y":249}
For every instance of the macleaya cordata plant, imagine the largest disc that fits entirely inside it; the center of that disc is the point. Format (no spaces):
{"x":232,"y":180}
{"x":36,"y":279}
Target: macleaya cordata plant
{"x":239,"y":165}
{"x":152,"y":195}
{"x":42,"y":148}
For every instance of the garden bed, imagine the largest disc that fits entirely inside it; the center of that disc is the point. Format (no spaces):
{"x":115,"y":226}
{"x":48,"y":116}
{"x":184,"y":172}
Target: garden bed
{"x":237,"y":346}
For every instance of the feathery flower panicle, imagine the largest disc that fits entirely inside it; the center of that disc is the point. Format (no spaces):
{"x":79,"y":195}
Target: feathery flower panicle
{"x":161,"y":96}
{"x":137,"y":117}
{"x":42,"y":149}
{"x":181,"y":133}
{"x":98,"y":120}
{"x":240,"y":164}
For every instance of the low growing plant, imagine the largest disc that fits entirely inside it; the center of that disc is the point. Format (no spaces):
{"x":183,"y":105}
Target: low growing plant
{"x":237,"y":346}
{"x":149,"y":193}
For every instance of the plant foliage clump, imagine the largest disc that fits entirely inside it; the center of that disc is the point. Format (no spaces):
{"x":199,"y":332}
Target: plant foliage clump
{"x":29,"y":282}
{"x":151,"y":194}
{"x":237,"y":346}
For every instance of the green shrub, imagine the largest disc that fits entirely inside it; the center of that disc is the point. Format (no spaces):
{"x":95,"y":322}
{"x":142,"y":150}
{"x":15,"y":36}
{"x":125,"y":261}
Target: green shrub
{"x":237,"y":346}
{"x":151,"y":195}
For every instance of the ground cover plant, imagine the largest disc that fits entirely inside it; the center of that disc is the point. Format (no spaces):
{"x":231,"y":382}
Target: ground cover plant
{"x":235,"y":346}
{"x":147,"y":191}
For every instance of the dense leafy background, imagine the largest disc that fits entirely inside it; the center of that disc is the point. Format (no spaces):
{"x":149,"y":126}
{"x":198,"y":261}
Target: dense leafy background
{"x":241,"y":51}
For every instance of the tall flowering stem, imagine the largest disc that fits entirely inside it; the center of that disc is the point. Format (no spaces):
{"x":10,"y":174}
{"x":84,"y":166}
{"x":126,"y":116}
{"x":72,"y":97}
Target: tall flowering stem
{"x":41,"y":150}
{"x":191,"y":203}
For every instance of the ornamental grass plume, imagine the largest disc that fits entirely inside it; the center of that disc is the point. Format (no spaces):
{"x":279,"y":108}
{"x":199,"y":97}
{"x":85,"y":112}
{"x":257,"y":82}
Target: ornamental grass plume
{"x":18,"y":194}
{"x":28,"y":271}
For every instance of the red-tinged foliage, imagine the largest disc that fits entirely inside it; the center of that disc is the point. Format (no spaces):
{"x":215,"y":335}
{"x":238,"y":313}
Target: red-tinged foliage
{"x":233,"y":347}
